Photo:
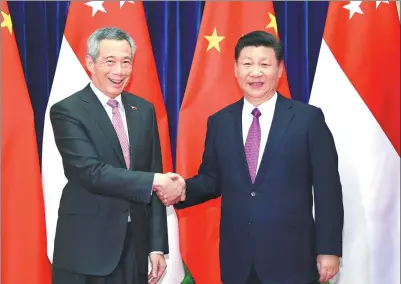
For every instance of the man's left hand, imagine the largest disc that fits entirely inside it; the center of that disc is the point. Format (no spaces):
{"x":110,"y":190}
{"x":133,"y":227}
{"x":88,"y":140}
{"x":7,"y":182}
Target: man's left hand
{"x":328,"y":266}
{"x":158,"y":267}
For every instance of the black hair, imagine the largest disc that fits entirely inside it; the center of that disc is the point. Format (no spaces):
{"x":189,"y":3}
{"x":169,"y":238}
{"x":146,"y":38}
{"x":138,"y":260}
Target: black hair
{"x":260,"y":38}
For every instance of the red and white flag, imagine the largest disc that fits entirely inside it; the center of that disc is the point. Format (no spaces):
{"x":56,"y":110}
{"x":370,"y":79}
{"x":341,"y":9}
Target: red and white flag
{"x":357,"y":85}
{"x":71,"y":75}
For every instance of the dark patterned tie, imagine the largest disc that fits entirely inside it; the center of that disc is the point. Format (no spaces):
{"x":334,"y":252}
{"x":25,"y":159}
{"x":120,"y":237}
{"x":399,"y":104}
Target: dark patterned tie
{"x":252,"y":144}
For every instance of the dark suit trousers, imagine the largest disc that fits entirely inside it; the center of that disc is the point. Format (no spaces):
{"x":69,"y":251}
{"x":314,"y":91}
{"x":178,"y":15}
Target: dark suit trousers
{"x":123,"y":274}
{"x":254,"y":279}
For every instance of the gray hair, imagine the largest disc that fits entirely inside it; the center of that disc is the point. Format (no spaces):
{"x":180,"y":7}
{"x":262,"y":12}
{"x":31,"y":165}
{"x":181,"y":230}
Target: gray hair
{"x":110,"y":33}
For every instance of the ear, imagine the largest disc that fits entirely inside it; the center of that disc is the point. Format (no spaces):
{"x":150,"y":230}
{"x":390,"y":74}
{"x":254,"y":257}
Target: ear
{"x":235,"y":69}
{"x":280,"y":69}
{"x":89,"y":63}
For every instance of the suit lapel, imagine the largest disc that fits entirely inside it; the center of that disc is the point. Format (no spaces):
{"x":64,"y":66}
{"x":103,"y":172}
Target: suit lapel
{"x":281,"y":120}
{"x":133,"y":125}
{"x":236,"y":112}
{"x":97,"y":111}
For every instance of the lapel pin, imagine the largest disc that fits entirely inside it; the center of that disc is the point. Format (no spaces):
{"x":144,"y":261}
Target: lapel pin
{"x":133,"y":107}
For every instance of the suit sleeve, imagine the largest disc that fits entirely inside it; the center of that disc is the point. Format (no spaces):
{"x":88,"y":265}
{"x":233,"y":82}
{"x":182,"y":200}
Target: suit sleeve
{"x":205,"y":185}
{"x":329,"y":211}
{"x":82,"y":164}
{"x":158,"y":215}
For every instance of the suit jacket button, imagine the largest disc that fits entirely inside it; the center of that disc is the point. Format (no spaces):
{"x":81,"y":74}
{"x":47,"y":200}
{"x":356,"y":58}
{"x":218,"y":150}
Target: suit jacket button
{"x":253,"y":193}
{"x":125,"y":210}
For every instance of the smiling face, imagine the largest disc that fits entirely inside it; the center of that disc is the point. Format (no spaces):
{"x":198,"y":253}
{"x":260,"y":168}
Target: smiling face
{"x":258,"y":72}
{"x":112,"y":68}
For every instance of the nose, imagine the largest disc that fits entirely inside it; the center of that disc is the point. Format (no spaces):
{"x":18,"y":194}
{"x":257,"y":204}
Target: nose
{"x":256,"y":72}
{"x":118,"y":68}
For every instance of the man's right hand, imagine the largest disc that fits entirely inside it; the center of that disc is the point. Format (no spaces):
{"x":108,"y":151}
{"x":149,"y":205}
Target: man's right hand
{"x":169,"y":188}
{"x":181,"y":182}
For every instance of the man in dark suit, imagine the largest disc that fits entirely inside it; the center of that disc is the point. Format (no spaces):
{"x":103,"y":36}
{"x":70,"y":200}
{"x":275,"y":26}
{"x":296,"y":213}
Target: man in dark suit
{"x":109,"y":220}
{"x":263,"y":154}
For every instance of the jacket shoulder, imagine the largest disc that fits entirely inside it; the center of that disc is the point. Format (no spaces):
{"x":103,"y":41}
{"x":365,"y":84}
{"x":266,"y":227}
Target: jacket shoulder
{"x":70,"y":101}
{"x":236,"y":106}
{"x":302,"y":108}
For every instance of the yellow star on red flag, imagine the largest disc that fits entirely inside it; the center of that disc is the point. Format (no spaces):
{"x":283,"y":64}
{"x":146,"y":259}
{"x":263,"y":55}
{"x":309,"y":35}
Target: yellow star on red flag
{"x":273,"y":23}
{"x":214,"y":40}
{"x":7,"y":22}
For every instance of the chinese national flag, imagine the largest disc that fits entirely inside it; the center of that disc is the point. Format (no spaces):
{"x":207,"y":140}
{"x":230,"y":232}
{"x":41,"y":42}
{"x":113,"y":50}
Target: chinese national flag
{"x":23,"y":235}
{"x":357,"y":85}
{"x":212,"y":86}
{"x":71,"y":75}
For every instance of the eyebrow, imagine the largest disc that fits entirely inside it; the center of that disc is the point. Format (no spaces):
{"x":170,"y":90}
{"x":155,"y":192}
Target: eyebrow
{"x":262,"y":59}
{"x":247,"y":57}
{"x":113,"y":57}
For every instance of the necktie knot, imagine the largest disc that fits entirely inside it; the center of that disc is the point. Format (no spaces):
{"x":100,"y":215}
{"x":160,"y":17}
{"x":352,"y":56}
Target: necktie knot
{"x":113,"y":103}
{"x":256,"y":113}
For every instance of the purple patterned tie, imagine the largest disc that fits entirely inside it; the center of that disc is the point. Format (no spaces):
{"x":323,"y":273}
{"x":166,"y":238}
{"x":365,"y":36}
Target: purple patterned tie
{"x":252,"y":144}
{"x":118,"y":124}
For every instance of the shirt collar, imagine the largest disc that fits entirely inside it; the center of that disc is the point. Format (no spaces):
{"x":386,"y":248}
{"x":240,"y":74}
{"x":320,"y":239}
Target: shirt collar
{"x":264,"y":108}
{"x":103,"y":98}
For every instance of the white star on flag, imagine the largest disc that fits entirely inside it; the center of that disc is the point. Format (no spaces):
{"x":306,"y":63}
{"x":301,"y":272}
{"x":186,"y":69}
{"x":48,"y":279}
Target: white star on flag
{"x":123,"y":2}
{"x":96,"y":6}
{"x":379,"y":2}
{"x":353,"y":8}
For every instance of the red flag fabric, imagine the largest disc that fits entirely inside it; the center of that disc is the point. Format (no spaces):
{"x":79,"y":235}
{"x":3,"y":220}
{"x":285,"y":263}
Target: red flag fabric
{"x":23,"y":235}
{"x":212,"y":86}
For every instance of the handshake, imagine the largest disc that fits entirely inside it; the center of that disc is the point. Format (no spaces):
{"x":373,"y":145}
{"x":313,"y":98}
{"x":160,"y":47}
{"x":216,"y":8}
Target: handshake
{"x":169,"y":187}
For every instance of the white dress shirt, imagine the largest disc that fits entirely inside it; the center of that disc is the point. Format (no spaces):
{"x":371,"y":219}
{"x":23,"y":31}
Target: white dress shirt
{"x":265,"y":121}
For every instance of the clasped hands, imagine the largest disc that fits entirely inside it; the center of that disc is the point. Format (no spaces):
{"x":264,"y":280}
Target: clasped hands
{"x":169,"y":187}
